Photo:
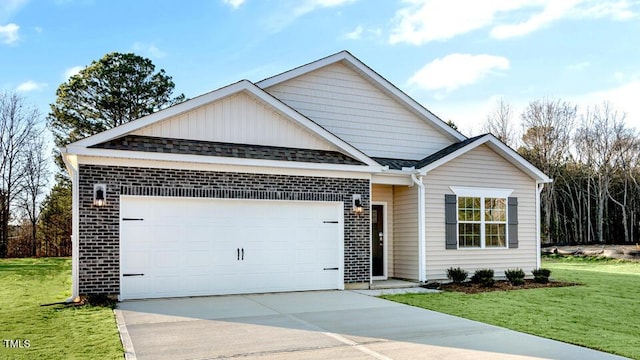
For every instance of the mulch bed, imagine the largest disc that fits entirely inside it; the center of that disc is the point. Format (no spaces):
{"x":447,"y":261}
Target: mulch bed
{"x":502,"y":285}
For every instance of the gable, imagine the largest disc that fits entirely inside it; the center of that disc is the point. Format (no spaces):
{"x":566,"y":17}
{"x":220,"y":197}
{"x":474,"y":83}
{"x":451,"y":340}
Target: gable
{"x":240,"y":119}
{"x":482,"y":165}
{"x":343,"y":101}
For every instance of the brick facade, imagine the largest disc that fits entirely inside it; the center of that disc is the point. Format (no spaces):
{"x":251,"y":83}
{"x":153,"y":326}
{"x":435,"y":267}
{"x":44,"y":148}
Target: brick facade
{"x":99,"y":255}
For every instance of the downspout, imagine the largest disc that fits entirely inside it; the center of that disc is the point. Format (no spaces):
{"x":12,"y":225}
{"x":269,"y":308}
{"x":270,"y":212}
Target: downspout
{"x":71,"y":162}
{"x":421,"y":228}
{"x":539,"y":187}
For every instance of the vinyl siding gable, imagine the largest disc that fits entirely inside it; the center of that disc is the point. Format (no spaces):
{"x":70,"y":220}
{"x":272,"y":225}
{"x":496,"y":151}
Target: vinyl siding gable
{"x":241,"y":119}
{"x":339,"y":99}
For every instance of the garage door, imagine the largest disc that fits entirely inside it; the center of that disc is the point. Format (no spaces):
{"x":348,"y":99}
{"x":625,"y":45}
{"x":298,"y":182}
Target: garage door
{"x":187,"y":247}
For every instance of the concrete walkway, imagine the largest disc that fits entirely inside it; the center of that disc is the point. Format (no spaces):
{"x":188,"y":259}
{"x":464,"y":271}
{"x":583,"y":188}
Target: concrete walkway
{"x":319,"y":325}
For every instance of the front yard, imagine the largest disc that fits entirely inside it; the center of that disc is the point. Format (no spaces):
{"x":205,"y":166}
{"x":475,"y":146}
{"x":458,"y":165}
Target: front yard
{"x":603,"y":313}
{"x":29,"y":331}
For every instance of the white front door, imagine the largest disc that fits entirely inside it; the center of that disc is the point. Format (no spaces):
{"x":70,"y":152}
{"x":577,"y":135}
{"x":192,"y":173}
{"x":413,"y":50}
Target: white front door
{"x":186,"y":247}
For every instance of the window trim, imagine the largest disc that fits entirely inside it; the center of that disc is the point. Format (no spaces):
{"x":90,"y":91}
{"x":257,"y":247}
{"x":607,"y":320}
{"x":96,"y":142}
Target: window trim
{"x":482,"y":193}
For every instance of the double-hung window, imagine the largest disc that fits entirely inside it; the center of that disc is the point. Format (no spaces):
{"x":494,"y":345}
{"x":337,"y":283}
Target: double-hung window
{"x":479,"y":218}
{"x":482,"y":222}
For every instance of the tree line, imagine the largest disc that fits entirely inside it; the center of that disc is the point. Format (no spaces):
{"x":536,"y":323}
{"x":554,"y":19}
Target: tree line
{"x":593,"y":158}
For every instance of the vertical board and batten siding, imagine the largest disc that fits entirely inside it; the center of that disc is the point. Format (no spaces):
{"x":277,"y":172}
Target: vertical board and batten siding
{"x":405,"y":237}
{"x":481,"y":167}
{"x":238,"y":118}
{"x":385,"y":193}
{"x":343,"y":102}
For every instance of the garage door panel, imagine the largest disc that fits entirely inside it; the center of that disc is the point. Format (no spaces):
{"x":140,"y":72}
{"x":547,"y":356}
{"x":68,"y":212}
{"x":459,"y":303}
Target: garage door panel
{"x":190,"y":246}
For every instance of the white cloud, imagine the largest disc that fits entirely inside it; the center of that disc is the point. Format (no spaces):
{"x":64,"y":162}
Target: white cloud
{"x":422,"y":21}
{"x":579,"y":66}
{"x":355,"y":34}
{"x":10,"y":7}
{"x":624,"y":98}
{"x":9,"y":33}
{"x":30,"y":85}
{"x":234,"y":3}
{"x":310,"y":5}
{"x":150,"y":50}
{"x":288,"y":13}
{"x":72,"y":71}
{"x":553,"y":11}
{"x":456,"y":70}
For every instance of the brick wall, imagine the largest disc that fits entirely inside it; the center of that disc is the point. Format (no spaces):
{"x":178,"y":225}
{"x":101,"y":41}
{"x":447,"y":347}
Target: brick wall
{"x":99,"y":226}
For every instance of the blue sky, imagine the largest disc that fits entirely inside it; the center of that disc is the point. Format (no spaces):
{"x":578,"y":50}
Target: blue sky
{"x":456,"y":57}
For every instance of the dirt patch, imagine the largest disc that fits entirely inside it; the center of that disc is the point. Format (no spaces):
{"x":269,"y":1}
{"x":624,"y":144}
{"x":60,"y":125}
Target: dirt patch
{"x":500,"y":285}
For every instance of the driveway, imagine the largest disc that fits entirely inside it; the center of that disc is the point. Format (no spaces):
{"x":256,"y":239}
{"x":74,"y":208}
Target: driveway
{"x":319,"y":325}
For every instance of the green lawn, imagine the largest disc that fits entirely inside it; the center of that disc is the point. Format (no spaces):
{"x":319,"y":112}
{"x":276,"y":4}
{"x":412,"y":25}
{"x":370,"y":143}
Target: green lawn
{"x":603,"y":313}
{"x":54,"y":332}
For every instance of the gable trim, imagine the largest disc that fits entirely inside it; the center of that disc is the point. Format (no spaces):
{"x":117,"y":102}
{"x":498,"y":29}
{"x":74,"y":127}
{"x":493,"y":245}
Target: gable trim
{"x":499,"y":147}
{"x":212,"y":96}
{"x":372,"y":76}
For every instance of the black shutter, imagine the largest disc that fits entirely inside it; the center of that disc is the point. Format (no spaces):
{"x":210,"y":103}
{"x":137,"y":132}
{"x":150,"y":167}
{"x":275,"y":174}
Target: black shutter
{"x":513,"y":222}
{"x":451,"y":221}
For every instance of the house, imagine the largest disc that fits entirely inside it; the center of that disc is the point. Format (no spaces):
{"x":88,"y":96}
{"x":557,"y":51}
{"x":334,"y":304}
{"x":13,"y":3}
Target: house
{"x":326,"y":176}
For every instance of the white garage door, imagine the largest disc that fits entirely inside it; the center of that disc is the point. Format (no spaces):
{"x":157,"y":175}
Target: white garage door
{"x":186,"y":247}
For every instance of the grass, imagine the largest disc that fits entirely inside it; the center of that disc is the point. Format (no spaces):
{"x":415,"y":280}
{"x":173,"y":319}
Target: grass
{"x":603,"y":313}
{"x":54,"y":332}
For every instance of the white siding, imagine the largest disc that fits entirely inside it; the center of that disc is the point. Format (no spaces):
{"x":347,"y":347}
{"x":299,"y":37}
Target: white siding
{"x":405,"y":225}
{"x":343,"y":102}
{"x":481,"y":167}
{"x":385,"y":193}
{"x":240,"y":119}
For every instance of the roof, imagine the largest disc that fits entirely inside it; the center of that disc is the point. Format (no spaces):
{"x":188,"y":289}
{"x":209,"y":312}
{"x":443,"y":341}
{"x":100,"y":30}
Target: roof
{"x":208,"y":148}
{"x":385,"y":85}
{"x":453,"y":151}
{"x":446,"y":151}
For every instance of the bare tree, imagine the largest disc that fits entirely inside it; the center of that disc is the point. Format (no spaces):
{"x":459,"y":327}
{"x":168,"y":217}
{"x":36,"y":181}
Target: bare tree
{"x":17,"y":123}
{"x":36,"y":164}
{"x":548,"y":125}
{"x":500,"y":122}
{"x":604,"y":141}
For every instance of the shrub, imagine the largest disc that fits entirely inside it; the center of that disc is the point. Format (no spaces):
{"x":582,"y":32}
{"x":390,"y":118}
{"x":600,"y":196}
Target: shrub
{"x":457,"y":275}
{"x":515,"y":276}
{"x":541,"y":275}
{"x":483,"y":277}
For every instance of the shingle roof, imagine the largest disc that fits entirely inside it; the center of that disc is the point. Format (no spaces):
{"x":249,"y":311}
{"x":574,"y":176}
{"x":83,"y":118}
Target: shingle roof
{"x":446,"y":151}
{"x":398,"y":164}
{"x":208,"y":148}
{"x":395,"y":164}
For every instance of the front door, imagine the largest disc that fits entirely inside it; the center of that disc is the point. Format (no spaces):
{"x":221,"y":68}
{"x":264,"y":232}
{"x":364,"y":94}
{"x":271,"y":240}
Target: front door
{"x":378,"y":243}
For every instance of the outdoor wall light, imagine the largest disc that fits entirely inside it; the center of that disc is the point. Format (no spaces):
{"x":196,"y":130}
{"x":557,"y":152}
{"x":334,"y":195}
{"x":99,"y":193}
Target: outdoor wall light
{"x":357,"y":204}
{"x":99,"y":194}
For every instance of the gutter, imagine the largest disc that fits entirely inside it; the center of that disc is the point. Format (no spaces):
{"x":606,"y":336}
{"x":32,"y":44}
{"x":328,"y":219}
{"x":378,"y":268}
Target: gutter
{"x":421,"y":226}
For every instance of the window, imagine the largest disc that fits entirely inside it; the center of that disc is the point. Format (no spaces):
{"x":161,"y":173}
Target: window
{"x":481,"y":218}
{"x":482,"y":222}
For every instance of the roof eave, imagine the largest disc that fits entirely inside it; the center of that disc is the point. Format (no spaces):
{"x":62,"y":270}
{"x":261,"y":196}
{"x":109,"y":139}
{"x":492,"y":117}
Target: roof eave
{"x":506,"y":152}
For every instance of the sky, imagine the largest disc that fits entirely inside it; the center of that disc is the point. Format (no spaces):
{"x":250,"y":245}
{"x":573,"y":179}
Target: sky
{"x":455,"y":57}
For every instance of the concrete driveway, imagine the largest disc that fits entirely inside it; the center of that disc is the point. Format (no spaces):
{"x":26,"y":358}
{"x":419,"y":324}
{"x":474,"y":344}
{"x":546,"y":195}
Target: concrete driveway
{"x":319,"y":325}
